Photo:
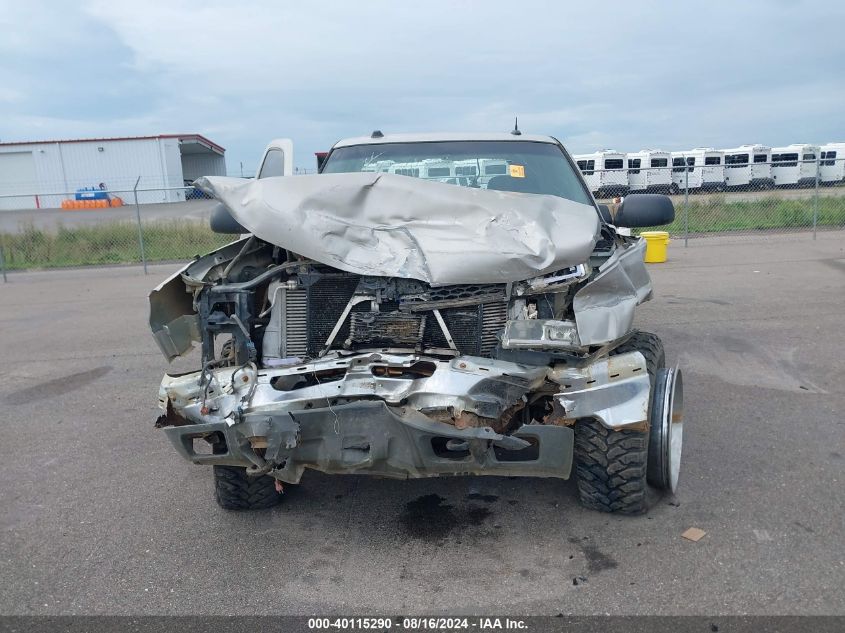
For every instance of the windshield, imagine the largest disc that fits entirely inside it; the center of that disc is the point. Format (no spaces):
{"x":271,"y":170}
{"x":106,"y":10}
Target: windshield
{"x":519,"y":166}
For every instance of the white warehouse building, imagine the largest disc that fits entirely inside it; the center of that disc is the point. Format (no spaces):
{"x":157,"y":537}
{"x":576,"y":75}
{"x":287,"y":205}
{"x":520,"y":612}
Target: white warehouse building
{"x":34,"y":171}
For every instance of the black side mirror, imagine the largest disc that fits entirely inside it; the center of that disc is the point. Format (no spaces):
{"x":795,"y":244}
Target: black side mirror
{"x":223,"y":222}
{"x":645,"y":209}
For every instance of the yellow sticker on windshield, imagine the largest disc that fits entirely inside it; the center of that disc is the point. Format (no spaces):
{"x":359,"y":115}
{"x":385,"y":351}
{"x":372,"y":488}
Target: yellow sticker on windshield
{"x":517,"y":171}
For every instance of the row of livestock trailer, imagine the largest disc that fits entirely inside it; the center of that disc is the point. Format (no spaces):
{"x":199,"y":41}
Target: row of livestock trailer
{"x":609,"y":172}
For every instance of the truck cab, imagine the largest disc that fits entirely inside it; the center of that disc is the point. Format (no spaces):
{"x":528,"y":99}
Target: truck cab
{"x":277,"y":159}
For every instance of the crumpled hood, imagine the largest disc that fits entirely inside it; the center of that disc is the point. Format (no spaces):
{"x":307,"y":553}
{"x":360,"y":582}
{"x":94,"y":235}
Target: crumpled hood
{"x":387,"y":225}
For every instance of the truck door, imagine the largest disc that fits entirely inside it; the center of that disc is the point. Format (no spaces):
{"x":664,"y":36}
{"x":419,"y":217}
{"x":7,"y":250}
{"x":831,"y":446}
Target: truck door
{"x":277,"y":159}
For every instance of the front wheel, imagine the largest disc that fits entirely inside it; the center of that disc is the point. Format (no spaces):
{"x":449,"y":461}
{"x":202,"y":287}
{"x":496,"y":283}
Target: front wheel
{"x":611,"y":468}
{"x":235,"y":490}
{"x":626,"y":471}
{"x":666,"y":435}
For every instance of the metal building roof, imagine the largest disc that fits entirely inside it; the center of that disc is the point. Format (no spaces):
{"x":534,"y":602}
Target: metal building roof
{"x":198,"y":139}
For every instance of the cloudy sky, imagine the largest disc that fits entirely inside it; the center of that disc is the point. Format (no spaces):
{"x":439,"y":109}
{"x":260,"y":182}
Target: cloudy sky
{"x":626,"y":75}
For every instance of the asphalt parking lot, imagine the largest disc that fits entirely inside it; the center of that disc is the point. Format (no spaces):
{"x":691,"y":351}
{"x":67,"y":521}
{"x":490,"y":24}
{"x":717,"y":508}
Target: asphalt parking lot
{"x":98,"y":515}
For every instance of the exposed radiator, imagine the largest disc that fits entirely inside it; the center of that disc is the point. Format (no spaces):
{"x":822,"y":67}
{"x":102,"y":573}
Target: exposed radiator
{"x":398,"y":328}
{"x":296,"y":324}
{"x":286,"y":335}
{"x":305,"y":317}
{"x":326,"y":301}
{"x":474,"y":329}
{"x":493,"y":317}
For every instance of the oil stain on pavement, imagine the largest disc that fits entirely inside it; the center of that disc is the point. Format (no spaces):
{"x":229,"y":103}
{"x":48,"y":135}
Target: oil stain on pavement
{"x":596,"y":559}
{"x":430,"y":518}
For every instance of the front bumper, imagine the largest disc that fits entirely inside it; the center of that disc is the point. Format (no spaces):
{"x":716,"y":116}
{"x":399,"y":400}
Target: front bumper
{"x":398,"y":414}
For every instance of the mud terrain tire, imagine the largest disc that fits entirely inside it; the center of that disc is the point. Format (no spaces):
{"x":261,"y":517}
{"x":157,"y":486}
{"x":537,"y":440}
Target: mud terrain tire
{"x":235,"y":490}
{"x":611,"y":467}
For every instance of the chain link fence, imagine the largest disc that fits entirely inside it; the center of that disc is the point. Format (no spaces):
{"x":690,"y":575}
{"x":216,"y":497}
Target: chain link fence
{"x":108,"y":227}
{"x":735,"y":201}
{"x":140,"y":224}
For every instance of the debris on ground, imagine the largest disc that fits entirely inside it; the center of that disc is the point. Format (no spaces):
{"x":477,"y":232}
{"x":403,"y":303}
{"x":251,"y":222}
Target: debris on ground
{"x":694,"y":534}
{"x":762,"y":536}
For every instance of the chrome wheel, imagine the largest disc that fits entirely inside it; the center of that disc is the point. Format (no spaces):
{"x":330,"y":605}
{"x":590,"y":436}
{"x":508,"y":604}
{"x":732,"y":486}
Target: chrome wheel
{"x":666,"y":437}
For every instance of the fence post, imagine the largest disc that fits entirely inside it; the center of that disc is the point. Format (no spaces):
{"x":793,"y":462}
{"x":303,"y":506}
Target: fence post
{"x":816,"y":198}
{"x":3,"y":262}
{"x":140,"y":230}
{"x":686,"y":206}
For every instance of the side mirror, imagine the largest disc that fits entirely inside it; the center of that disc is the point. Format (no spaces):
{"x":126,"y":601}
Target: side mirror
{"x":223,"y":222}
{"x":645,"y":209}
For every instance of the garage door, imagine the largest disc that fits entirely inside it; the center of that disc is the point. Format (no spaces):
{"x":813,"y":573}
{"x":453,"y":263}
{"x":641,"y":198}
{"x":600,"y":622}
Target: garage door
{"x":17,"y":175}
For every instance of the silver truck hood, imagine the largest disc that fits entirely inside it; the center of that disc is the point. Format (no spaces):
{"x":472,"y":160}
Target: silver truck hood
{"x":387,"y":225}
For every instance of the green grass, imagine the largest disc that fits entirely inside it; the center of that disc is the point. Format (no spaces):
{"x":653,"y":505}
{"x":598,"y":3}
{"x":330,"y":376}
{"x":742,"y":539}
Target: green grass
{"x":715,"y":215}
{"x":111,"y":243}
{"x":117,"y":243}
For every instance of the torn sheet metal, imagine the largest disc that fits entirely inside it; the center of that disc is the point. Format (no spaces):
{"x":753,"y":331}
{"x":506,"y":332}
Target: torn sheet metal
{"x":614,"y":390}
{"x":484,"y":386}
{"x":604,"y":308}
{"x":174,"y":322}
{"x":360,"y":419}
{"x":396,"y":226}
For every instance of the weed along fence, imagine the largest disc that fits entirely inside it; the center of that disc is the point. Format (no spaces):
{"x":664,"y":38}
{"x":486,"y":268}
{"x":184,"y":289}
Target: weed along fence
{"x":114,"y":233}
{"x":719,"y":215}
{"x":807,"y":205}
{"x":112,"y":243}
{"x":118,"y":230}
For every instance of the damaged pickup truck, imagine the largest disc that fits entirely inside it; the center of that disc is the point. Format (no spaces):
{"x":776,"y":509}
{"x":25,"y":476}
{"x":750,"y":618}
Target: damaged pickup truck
{"x":426,"y":305}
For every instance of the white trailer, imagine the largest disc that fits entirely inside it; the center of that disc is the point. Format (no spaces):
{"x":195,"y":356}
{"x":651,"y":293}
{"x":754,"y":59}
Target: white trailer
{"x":795,"y":165}
{"x":432,"y":168}
{"x":832,"y":165}
{"x":749,"y":167}
{"x":648,"y":170}
{"x":604,"y":172}
{"x":700,"y":169}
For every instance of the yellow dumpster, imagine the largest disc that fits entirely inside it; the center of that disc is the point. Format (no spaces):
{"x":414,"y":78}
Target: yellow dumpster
{"x":656,"y":244}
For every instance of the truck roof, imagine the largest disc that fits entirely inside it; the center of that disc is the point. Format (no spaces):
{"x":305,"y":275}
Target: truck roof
{"x":429,"y":137}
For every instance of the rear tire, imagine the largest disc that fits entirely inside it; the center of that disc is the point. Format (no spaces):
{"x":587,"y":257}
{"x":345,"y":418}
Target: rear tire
{"x":235,"y":490}
{"x":611,"y":467}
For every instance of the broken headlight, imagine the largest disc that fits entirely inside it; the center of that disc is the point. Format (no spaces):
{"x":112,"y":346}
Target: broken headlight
{"x":540,"y":334}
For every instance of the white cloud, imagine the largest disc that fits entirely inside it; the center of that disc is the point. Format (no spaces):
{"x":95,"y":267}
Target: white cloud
{"x":621,"y":74}
{"x":10,"y":95}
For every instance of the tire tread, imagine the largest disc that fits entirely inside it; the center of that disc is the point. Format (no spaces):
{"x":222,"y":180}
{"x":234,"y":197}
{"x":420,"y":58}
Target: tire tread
{"x":235,"y":490}
{"x":611,"y":466}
